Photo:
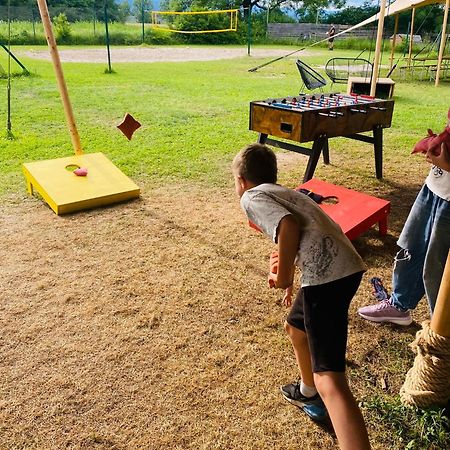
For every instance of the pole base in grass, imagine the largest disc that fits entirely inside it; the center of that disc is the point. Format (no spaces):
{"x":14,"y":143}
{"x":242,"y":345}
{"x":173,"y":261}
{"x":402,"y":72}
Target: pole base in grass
{"x":9,"y":135}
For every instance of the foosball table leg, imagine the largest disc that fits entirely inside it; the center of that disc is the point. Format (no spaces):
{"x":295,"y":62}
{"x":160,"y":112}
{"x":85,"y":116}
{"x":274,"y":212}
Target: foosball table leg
{"x":383,"y":226}
{"x":262,"y":138}
{"x":378,"y":148}
{"x":318,"y":146}
{"x":326,"y":152}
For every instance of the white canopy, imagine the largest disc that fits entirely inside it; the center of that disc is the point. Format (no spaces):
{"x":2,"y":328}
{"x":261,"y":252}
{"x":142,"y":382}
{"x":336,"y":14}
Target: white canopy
{"x":395,"y":7}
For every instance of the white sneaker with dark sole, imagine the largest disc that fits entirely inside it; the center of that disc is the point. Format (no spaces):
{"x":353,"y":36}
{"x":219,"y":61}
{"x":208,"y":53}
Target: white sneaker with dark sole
{"x":312,"y":406}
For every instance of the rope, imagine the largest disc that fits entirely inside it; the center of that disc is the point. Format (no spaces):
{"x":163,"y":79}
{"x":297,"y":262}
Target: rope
{"x":427,"y":383}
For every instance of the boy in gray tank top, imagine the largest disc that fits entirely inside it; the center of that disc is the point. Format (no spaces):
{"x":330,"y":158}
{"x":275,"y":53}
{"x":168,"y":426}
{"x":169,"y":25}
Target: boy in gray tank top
{"x":331,"y":273}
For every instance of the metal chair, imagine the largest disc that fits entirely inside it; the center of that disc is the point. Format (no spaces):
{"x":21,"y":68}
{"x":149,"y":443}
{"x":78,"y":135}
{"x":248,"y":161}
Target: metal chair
{"x":339,"y":70}
{"x":311,"y":79}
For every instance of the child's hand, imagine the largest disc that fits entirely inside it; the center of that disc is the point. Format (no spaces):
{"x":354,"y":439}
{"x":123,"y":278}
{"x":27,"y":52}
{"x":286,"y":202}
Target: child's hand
{"x":287,"y":299}
{"x":272,"y":280}
{"x":440,"y":157}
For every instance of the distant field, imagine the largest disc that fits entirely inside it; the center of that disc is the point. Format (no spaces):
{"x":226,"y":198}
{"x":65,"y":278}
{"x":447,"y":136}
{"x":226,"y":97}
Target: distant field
{"x":194,"y":114}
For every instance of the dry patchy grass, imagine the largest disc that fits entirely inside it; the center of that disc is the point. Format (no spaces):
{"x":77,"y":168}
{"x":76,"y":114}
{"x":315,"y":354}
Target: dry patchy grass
{"x":149,"y":324}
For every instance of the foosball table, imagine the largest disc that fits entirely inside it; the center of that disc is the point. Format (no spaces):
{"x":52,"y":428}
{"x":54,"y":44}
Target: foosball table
{"x":316,"y":118}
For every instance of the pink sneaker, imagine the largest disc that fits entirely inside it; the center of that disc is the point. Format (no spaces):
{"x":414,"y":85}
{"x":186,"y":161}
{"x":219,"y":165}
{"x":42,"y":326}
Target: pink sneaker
{"x":384,"y":311}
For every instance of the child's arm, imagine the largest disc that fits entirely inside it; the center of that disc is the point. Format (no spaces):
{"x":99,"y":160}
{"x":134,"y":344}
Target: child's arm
{"x":288,"y":242}
{"x":273,"y":269}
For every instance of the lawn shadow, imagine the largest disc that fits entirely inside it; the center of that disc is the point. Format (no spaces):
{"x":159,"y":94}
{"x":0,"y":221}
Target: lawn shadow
{"x":411,"y":329}
{"x":327,"y":427}
{"x":375,"y":248}
{"x":324,"y":425}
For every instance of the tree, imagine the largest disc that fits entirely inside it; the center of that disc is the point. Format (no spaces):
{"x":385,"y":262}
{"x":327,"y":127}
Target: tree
{"x":353,"y":15}
{"x":302,"y":8}
{"x":140,"y":6}
{"x":276,"y":15}
{"x":124,"y":10}
{"x":16,"y":2}
{"x":307,"y":10}
{"x":78,"y":10}
{"x":62,"y":28}
{"x":428,"y":19}
{"x":184,"y":5}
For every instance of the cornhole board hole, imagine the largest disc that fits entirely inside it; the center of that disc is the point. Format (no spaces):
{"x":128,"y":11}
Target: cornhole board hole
{"x":65,"y":192}
{"x":355,"y":212}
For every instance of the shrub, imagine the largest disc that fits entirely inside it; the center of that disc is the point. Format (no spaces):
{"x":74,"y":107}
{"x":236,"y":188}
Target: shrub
{"x":62,"y":28}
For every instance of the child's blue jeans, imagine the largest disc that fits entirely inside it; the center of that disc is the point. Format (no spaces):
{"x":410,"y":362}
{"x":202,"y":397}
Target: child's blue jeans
{"x":424,"y":242}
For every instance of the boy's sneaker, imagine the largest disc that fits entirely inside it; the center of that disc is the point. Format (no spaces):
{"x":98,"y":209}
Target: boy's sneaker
{"x":312,"y":406}
{"x":385,"y":311}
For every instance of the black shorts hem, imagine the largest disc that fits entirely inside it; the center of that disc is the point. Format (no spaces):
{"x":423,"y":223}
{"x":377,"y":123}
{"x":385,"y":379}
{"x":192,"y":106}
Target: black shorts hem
{"x":322,"y":313}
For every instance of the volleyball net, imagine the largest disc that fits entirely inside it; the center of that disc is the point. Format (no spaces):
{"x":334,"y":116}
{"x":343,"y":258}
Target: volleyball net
{"x":195,"y":22}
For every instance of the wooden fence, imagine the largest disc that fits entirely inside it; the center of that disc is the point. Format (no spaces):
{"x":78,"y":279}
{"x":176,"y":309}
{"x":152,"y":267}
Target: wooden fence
{"x":315,"y":31}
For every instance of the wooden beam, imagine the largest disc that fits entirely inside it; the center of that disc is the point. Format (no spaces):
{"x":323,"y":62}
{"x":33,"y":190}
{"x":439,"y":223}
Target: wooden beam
{"x":391,"y":64}
{"x":411,"y":34}
{"x":440,"y":322}
{"x":443,"y":40}
{"x":376,"y":60}
{"x":43,"y":9}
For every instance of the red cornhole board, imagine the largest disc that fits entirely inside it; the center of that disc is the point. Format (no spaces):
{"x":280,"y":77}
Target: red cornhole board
{"x":354,"y":212}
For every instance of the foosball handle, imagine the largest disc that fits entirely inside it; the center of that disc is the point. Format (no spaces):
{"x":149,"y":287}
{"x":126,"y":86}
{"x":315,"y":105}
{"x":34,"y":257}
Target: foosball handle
{"x":440,"y":322}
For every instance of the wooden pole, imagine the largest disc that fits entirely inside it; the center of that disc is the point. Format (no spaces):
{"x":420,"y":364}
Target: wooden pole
{"x":377,"y":56}
{"x":411,"y":34}
{"x":391,"y":64}
{"x":440,"y":322}
{"x":43,"y":9}
{"x":443,"y":40}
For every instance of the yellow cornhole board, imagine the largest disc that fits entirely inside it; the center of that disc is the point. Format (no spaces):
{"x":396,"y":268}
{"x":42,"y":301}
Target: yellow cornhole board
{"x":65,"y":192}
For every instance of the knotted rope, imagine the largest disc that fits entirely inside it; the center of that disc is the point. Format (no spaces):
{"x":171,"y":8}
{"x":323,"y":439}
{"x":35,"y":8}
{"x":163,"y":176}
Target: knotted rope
{"x":427,"y":383}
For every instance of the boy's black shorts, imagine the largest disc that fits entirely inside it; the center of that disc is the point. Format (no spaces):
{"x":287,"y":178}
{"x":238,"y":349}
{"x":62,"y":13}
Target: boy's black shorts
{"x":322,"y":312}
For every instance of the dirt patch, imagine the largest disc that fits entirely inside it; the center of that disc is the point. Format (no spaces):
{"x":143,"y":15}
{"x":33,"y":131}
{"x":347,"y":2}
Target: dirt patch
{"x":157,"y":54}
{"x":142,"y":325}
{"x":149,"y":325}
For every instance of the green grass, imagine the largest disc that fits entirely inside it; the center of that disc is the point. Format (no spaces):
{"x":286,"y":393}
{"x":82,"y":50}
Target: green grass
{"x":194,"y":118}
{"x":194,"y":115}
{"x":410,"y":428}
{"x":83,"y":33}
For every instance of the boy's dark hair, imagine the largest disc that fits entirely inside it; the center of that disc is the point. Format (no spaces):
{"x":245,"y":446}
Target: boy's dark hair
{"x":256,"y":163}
